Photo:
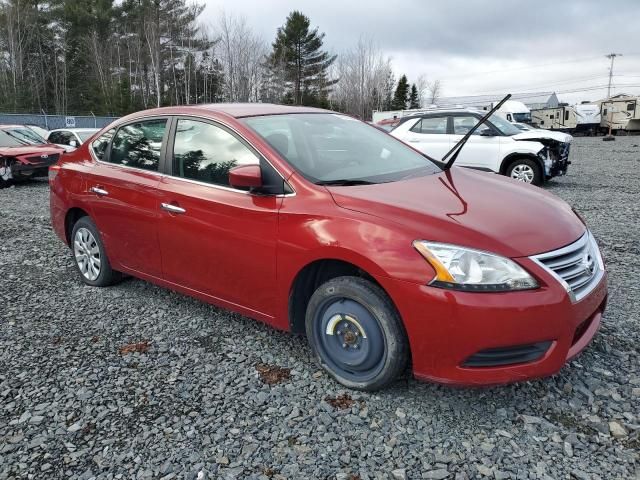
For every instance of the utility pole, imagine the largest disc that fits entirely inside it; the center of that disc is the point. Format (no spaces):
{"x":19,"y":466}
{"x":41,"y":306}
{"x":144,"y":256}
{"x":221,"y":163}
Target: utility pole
{"x":612,"y":56}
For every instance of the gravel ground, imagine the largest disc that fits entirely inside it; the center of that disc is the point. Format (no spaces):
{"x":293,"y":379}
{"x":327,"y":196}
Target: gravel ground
{"x":135,"y":381}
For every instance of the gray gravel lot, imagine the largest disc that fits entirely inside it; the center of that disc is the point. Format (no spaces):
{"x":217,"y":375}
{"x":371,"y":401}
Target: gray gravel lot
{"x":188,"y":401}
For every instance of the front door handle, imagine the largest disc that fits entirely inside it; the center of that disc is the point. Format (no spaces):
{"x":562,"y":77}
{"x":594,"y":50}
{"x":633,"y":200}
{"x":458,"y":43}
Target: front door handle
{"x":172,"y":208}
{"x":414,"y":140}
{"x":99,"y":191}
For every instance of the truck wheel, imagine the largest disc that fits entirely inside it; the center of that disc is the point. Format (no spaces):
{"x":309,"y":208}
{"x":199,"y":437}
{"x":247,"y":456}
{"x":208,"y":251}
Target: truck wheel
{"x":356,"y":333}
{"x":89,"y":255}
{"x":526,"y":170}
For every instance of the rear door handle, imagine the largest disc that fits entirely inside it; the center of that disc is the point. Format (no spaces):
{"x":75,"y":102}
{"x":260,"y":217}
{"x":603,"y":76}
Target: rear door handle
{"x":99,"y":191}
{"x":414,"y":140}
{"x":172,"y":208}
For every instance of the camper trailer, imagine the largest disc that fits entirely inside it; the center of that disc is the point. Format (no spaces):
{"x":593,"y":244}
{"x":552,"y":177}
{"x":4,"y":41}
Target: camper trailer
{"x":587,"y":118}
{"x":562,"y":118}
{"x":620,"y":113}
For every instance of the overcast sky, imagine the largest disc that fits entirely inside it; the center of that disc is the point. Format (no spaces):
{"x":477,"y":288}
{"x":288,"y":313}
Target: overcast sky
{"x":477,"y":46}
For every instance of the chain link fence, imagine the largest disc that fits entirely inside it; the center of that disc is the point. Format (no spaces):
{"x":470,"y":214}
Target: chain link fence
{"x":51,"y":122}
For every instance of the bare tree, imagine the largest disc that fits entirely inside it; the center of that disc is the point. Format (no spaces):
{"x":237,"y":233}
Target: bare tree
{"x":241,"y":53}
{"x":435,"y":91}
{"x":363,"y":74}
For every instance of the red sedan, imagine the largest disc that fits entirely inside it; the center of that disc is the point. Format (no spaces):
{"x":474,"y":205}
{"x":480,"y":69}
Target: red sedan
{"x":24,"y":154}
{"x":317,"y":223}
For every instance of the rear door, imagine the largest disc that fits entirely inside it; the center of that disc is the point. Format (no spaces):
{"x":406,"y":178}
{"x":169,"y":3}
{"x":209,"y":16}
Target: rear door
{"x":480,"y":152}
{"x":216,"y":239}
{"x":123,"y":195}
{"x":430,"y":136}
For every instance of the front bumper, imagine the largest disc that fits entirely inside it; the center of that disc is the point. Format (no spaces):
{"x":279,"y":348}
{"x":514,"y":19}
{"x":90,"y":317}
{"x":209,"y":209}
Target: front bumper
{"x":447,"y":328}
{"x":559,"y":160}
{"x":33,"y":168}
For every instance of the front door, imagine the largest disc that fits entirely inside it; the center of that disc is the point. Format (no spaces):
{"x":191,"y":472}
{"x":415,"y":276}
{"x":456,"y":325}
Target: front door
{"x":123,"y":196}
{"x":481,"y":152}
{"x":216,"y":239}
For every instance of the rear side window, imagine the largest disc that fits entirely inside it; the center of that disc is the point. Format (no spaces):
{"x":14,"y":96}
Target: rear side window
{"x":462,"y":125}
{"x":100,"y":144}
{"x":138,"y":144}
{"x":432,"y":125}
{"x":206,"y":153}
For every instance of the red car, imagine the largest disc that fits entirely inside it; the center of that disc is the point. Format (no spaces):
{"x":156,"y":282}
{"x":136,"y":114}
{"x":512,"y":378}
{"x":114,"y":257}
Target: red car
{"x":318,"y":223}
{"x":24,"y":154}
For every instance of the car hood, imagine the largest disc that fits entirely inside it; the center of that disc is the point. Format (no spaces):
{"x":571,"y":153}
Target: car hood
{"x":28,"y":150}
{"x":539,"y":134}
{"x":469,"y":208}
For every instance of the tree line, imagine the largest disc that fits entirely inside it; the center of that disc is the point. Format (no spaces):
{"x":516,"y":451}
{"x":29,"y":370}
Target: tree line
{"x":116,"y":57}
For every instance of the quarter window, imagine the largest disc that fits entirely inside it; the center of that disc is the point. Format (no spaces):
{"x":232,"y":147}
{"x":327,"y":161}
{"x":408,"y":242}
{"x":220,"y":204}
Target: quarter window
{"x":100,"y":144}
{"x":431,"y":125}
{"x":138,"y":145}
{"x":206,"y":153}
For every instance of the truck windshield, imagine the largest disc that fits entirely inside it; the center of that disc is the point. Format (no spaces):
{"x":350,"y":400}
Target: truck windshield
{"x":333,"y":149}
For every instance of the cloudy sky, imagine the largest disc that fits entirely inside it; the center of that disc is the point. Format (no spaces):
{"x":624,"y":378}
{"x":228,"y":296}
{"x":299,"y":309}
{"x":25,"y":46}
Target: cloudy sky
{"x":477,"y":46}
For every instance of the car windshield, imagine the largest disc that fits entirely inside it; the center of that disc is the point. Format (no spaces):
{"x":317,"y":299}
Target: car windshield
{"x":19,"y":137}
{"x":505,"y":127}
{"x":329,"y":148}
{"x":86,"y":134}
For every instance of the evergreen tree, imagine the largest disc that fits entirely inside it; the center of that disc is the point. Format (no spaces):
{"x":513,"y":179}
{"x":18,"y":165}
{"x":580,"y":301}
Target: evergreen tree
{"x":297,"y":56}
{"x":414,"y":98}
{"x":401,"y":95}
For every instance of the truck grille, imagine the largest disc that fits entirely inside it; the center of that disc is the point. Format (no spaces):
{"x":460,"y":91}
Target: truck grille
{"x":578,"y":267}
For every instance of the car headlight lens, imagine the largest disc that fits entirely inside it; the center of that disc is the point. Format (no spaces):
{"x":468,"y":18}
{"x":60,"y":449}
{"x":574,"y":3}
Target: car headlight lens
{"x":462,"y":268}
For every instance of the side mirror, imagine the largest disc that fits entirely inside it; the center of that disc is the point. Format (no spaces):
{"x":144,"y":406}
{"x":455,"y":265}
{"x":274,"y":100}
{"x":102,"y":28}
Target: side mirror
{"x":487,"y":132}
{"x":245,"y":176}
{"x":73,"y":143}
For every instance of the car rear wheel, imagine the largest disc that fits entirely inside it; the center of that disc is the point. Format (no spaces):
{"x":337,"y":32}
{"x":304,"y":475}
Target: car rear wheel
{"x":89,"y":255}
{"x":356,"y":333}
{"x":525,"y":170}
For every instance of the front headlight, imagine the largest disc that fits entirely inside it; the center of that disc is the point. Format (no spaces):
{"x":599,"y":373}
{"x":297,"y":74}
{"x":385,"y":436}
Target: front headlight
{"x":462,"y":268}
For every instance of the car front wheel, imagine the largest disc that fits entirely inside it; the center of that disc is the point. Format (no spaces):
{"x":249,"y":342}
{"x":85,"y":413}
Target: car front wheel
{"x":89,"y":255}
{"x":356,"y":333}
{"x":526,"y":170}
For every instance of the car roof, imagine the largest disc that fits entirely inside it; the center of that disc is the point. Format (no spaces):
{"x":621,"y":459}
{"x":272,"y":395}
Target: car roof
{"x":12,"y":126}
{"x":236,"y":110}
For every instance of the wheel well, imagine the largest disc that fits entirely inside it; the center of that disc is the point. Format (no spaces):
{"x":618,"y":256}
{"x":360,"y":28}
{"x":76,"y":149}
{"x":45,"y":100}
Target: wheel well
{"x":507,"y":162}
{"x":309,"y":279}
{"x":73,"y":215}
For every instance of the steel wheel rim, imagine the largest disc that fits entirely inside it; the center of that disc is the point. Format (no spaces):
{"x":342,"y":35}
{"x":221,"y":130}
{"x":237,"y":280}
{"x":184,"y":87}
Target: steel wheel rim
{"x":350,"y":339}
{"x":523,"y":173}
{"x":87,"y":254}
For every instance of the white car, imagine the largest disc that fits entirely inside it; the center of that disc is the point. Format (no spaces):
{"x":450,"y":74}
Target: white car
{"x":70,"y":138}
{"x":497,"y":146}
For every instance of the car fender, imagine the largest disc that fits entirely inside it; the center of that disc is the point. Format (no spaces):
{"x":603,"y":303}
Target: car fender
{"x":507,"y":160}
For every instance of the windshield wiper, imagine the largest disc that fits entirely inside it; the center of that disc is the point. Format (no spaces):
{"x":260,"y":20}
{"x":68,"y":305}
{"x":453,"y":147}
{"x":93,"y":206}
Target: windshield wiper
{"x":458,"y":146}
{"x":345,"y":183}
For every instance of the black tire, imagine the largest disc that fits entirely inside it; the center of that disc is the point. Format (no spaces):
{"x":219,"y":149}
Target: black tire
{"x":369,"y":360}
{"x":106,"y":275}
{"x":528,"y":165}
{"x":4,"y":183}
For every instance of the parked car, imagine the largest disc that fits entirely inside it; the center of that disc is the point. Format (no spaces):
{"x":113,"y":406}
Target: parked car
{"x":499,"y":147}
{"x":24,"y":154}
{"x":41,"y":132}
{"x":315,"y":222}
{"x":70,"y":138}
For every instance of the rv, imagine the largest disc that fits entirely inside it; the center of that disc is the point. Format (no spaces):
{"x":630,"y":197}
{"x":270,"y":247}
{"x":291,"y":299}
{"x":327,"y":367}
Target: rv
{"x":562,"y":118}
{"x":620,"y":112}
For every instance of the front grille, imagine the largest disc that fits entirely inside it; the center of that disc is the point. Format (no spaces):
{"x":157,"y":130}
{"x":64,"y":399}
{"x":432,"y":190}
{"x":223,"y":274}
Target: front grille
{"x":496,"y":357}
{"x":577,"y":266}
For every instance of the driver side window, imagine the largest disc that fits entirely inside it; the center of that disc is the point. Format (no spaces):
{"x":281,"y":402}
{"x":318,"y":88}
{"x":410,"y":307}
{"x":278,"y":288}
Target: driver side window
{"x":462,"y":125}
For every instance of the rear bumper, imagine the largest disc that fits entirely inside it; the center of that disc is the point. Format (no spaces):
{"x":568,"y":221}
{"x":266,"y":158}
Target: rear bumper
{"x":447,"y":329}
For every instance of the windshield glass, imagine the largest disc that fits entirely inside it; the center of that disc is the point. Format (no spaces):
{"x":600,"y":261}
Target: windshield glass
{"x":19,"y":137}
{"x":505,"y":127}
{"x":85,"y":135}
{"x":332,"y":148}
